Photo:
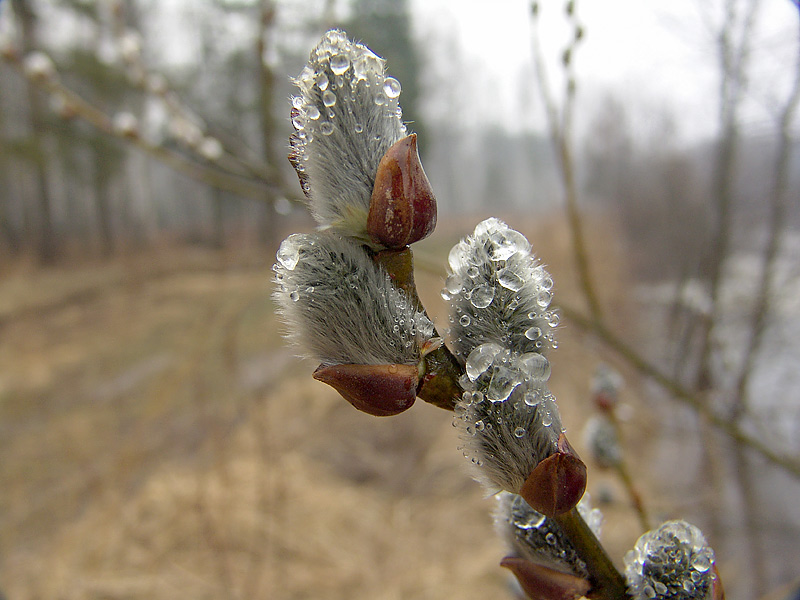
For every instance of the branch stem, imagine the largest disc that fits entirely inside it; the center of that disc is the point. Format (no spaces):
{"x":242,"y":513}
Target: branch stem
{"x":607,"y":582}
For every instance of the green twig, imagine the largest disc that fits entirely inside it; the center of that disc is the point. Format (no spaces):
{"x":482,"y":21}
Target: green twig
{"x":607,"y":582}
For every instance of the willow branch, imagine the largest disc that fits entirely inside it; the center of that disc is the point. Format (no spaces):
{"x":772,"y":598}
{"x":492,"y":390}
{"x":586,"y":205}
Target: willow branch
{"x":560,"y":136}
{"x":251,"y":188}
{"x":607,"y":582}
{"x":679,"y":392}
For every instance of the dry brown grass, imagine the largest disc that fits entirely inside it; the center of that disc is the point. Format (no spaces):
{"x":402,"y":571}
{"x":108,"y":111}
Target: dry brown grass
{"x":159,"y":441}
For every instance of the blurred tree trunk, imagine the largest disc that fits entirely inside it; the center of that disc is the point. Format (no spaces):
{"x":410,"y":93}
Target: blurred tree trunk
{"x":11,"y":240}
{"x":102,"y":201}
{"x":733,"y":39}
{"x":46,"y":243}
{"x":269,"y":134}
{"x":733,"y":47}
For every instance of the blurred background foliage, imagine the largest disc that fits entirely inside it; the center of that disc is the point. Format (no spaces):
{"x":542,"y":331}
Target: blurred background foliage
{"x":158,"y":439}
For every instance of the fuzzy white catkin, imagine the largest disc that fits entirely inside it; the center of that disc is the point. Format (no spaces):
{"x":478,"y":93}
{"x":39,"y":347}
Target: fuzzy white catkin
{"x":534,"y":537}
{"x":508,"y":423}
{"x":342,"y":308}
{"x":600,"y":437}
{"x":499,"y":297}
{"x":346,"y":117}
{"x":673,"y":562}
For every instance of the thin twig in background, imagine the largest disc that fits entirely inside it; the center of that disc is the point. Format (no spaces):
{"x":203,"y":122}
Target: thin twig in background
{"x":560,"y":128}
{"x":245,"y":187}
{"x":678,"y":391}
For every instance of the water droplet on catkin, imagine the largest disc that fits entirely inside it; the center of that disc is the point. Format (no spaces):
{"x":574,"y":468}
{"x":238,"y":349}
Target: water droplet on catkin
{"x":391,"y":87}
{"x":340,"y":63}
{"x":482,"y":296}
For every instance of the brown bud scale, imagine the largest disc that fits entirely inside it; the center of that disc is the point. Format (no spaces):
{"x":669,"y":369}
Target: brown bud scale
{"x":402,"y":209}
{"x":379,"y":390}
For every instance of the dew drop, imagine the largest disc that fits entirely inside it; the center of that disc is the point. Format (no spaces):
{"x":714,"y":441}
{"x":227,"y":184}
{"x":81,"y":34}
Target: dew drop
{"x":482,"y":296}
{"x":289,"y":252}
{"x":480,"y":425}
{"x":480,"y":359}
{"x":535,"y":365}
{"x":294,"y":296}
{"x":550,"y":538}
{"x":326,"y":128}
{"x":701,"y":562}
{"x":322,"y":81}
{"x":543,"y":299}
{"x":503,"y":382}
{"x":379,"y":100}
{"x":534,"y":521}
{"x":359,"y":128}
{"x":519,"y":432}
{"x":312,"y":113}
{"x":457,"y":255}
{"x":453,"y":284}
{"x":532,"y":397}
{"x":473,"y":272}
{"x":533,"y":333}
{"x":547,"y":419}
{"x":328,"y":98}
{"x":391,"y":87}
{"x":340,"y":63}
{"x":464,"y":321}
{"x":509,"y":279}
{"x":505,"y":243}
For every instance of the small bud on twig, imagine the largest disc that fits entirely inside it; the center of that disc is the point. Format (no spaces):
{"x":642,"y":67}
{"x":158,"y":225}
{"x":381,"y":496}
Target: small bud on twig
{"x":39,"y":67}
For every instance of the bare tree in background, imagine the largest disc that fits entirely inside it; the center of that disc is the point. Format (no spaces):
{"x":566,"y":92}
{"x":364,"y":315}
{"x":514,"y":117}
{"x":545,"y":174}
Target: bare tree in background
{"x":38,"y":151}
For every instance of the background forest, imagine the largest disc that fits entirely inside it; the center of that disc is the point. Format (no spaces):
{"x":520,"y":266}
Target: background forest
{"x":159,"y":439}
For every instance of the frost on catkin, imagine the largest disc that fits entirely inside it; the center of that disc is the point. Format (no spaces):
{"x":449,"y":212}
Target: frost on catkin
{"x":346,"y":117}
{"x":534,"y":537}
{"x":499,"y":297}
{"x":342,"y":308}
{"x":673,"y":562}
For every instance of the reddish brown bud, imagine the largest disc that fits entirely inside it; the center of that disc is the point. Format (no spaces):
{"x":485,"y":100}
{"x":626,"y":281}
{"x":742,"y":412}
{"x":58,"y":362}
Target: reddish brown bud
{"x":557,"y":483}
{"x":542,"y":583}
{"x":379,"y":390}
{"x":717,"y":593}
{"x":403,"y":208}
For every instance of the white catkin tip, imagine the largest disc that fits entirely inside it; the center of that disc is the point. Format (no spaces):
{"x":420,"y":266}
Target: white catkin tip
{"x":346,"y":116}
{"x":499,"y":293}
{"x":342,"y":308}
{"x":673,"y":562}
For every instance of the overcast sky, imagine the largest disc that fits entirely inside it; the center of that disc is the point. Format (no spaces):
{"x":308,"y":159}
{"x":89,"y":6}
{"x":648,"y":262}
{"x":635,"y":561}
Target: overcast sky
{"x":658,"y":56}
